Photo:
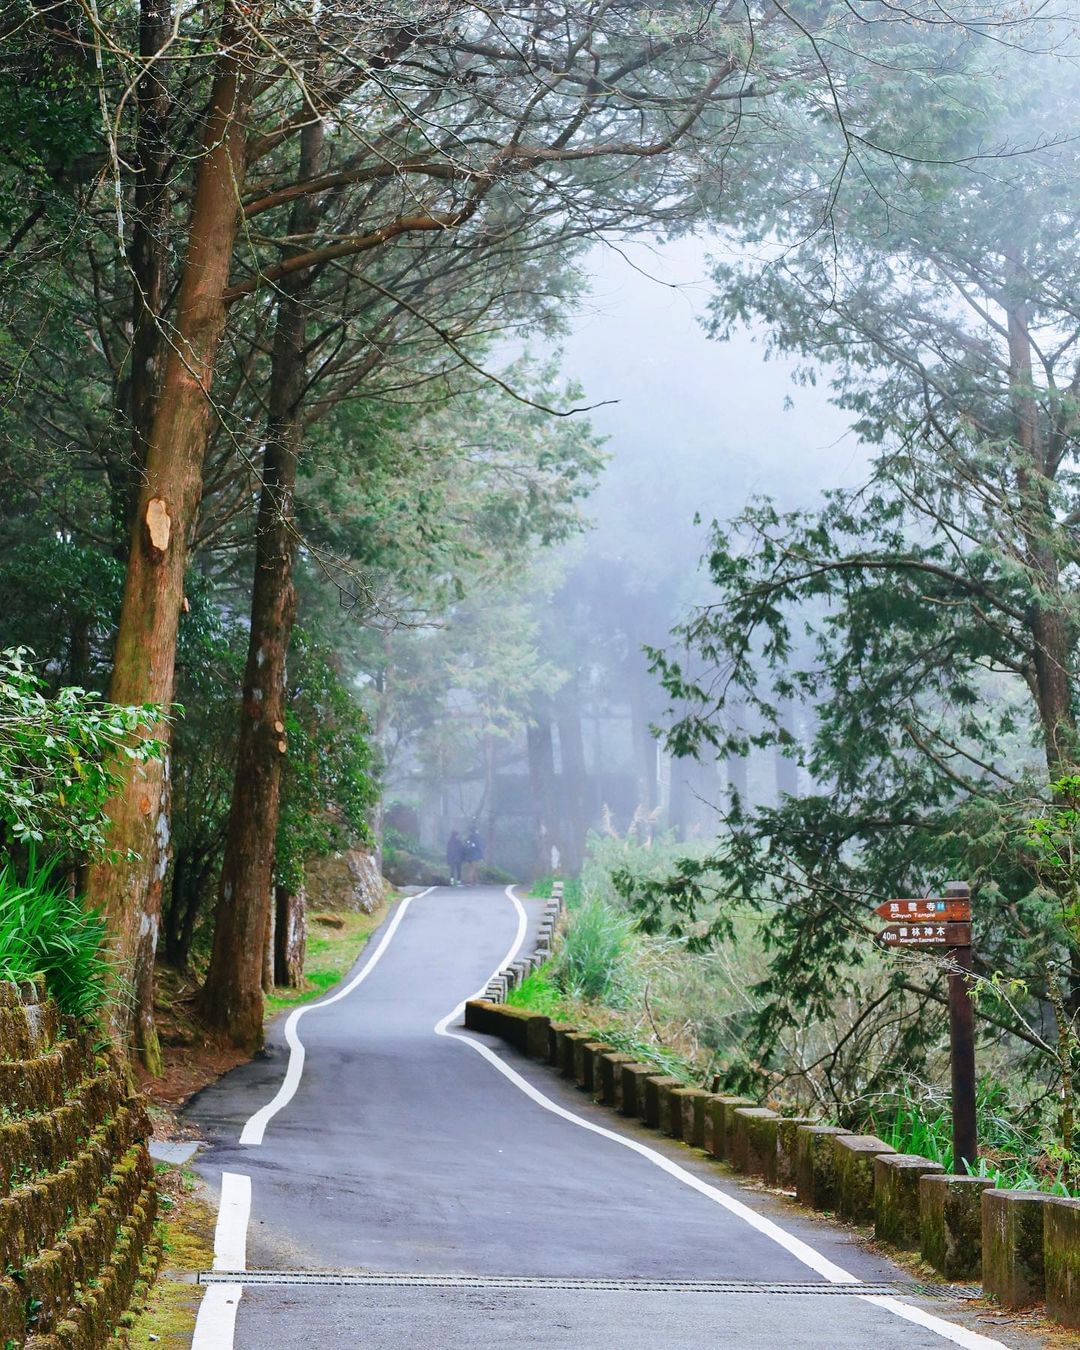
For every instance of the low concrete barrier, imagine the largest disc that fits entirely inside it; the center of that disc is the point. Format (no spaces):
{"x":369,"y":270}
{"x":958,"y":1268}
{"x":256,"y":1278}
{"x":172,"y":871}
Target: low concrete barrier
{"x":815,"y":1166}
{"x":854,"y":1156}
{"x":590,"y":1058}
{"x":1061,"y":1256}
{"x":608,"y":1090}
{"x":526,"y":1031}
{"x":658,"y":1101}
{"x":896,"y":1197}
{"x":634,"y":1077}
{"x":786,"y":1128}
{"x":694,"y":1102}
{"x":753,"y":1140}
{"x":721,"y":1109}
{"x":1012,"y":1246}
{"x":950,"y":1223}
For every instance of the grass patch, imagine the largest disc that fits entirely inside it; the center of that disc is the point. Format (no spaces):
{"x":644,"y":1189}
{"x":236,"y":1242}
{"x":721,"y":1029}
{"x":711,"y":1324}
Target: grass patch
{"x":540,"y":993}
{"x":167,"y":1317}
{"x":331,"y":953}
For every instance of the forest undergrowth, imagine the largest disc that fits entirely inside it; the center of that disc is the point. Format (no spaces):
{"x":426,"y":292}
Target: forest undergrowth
{"x":690,"y":1013}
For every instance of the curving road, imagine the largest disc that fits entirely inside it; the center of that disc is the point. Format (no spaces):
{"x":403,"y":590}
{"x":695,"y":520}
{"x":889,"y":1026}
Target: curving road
{"x":404,"y":1177}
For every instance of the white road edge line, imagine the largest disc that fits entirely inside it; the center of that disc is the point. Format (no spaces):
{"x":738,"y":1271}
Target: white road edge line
{"x":802,"y":1251}
{"x":215,"y":1326}
{"x":253,"y":1131}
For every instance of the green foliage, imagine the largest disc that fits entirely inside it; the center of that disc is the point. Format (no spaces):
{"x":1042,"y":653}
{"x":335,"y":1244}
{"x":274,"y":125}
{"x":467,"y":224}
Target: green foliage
{"x":1014,"y":1156}
{"x":539,"y":992}
{"x":594,"y":961}
{"x":49,"y":116}
{"x":329,"y":784}
{"x":55,"y":755}
{"x":46,"y":931}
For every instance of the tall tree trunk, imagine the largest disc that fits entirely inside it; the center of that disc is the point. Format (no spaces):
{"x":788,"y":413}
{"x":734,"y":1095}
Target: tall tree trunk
{"x":644,"y":746}
{"x":290,"y":937}
{"x":233,"y":994}
{"x":577,"y":816}
{"x":541,"y":753}
{"x":129,"y":890}
{"x":1050,"y":627}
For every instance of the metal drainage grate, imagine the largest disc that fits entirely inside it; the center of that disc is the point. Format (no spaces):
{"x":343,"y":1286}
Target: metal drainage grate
{"x":378,"y":1279}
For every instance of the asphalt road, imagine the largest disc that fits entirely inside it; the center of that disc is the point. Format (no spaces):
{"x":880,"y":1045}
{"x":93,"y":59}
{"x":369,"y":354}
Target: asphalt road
{"x":407,"y":1153}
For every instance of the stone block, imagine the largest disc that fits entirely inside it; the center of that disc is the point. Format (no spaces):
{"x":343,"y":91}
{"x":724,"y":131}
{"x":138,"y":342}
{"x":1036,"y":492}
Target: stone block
{"x":555,"y":1031}
{"x":678,"y":1095}
{"x":608,"y":1085}
{"x":896,"y":1197}
{"x":815,"y":1165}
{"x":1061,"y":1257}
{"x":571,"y":1058}
{"x":1012,"y":1246}
{"x":634,"y":1077}
{"x":950,"y":1223}
{"x":590,"y":1055}
{"x":786,"y":1127}
{"x":694,"y":1101}
{"x":753,"y":1141}
{"x":658,"y":1101}
{"x":854,"y":1155}
{"x":719,"y":1111}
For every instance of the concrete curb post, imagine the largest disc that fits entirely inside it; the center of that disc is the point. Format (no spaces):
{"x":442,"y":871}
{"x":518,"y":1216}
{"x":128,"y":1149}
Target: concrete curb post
{"x":950,"y":1223}
{"x":567,"y":1043}
{"x":575,"y":1066}
{"x":815,"y":1169}
{"x":658,"y":1101}
{"x":896,"y":1197}
{"x":634,"y":1077}
{"x":721,"y":1108}
{"x":590,"y":1057}
{"x":854,"y":1156}
{"x":555,"y":1032}
{"x":609,"y":1090}
{"x":1012,"y":1246}
{"x":694,"y":1101}
{"x":1061,"y":1257}
{"x":786,"y":1127}
{"x":753,"y":1141}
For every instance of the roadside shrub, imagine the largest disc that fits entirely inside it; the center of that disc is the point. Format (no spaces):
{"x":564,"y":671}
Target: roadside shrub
{"x":44,"y":930}
{"x":595,"y":959}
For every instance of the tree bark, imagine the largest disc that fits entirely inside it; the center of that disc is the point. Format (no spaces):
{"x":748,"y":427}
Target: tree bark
{"x":233,"y":993}
{"x":128,"y":890}
{"x":290,"y":937}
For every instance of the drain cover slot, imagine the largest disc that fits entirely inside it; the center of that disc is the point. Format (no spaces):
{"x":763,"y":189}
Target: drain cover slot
{"x":379,"y":1279}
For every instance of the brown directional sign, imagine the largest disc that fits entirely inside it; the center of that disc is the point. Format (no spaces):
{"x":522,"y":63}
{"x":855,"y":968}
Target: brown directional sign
{"x":926,"y":934}
{"x":930,"y":910}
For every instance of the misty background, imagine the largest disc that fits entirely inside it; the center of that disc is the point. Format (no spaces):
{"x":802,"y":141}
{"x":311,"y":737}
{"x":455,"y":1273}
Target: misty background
{"x":725,"y":421}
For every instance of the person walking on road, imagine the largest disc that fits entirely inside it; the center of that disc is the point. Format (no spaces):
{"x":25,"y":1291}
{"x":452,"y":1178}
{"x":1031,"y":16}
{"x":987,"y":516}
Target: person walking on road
{"x":455,"y":856}
{"x":474,"y":854}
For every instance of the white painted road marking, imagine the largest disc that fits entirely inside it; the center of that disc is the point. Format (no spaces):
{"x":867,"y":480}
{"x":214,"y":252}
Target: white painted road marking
{"x":802,"y":1251}
{"x":215,"y":1326}
{"x":253,"y":1131}
{"x":230,"y":1233}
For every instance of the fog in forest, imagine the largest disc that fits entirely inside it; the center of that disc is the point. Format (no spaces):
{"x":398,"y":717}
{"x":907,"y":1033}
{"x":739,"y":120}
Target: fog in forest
{"x":728,"y":422}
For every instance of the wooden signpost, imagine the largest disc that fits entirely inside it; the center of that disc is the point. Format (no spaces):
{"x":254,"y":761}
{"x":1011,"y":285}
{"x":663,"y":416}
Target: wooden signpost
{"x":945,"y":922}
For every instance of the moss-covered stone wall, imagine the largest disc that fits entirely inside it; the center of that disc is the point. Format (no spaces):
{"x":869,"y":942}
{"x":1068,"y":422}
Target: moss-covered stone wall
{"x":77,"y":1198}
